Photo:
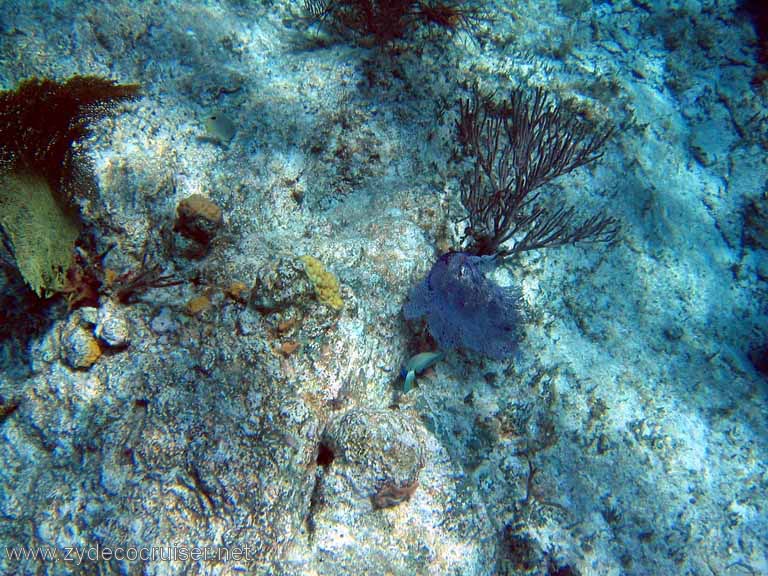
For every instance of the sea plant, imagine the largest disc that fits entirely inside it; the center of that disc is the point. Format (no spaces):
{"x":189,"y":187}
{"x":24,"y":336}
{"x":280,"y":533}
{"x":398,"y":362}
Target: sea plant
{"x":464,"y":308}
{"x":515,"y":147}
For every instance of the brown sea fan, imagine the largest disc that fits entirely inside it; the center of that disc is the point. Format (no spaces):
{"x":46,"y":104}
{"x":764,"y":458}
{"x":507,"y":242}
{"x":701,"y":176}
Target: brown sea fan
{"x":42,"y":120}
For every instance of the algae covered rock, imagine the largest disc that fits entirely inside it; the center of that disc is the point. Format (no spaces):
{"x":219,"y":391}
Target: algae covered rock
{"x":112,"y":327}
{"x":377,"y":450}
{"x":79,"y":349}
{"x":280,"y":284}
{"x":387,"y":497}
{"x":296,"y":299}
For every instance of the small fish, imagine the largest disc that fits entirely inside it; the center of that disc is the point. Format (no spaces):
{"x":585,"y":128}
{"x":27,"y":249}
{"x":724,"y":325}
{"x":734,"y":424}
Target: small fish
{"x":220,"y":128}
{"x":418,"y":364}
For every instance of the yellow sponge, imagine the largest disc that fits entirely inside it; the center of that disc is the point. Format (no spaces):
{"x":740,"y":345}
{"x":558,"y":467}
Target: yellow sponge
{"x":325,"y":283}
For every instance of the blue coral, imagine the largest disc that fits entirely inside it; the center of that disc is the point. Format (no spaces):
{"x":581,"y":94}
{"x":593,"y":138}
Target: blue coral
{"x":466,"y":309}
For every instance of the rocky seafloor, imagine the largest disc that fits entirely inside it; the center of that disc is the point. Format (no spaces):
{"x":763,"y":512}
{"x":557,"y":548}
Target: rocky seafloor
{"x":628,"y":434}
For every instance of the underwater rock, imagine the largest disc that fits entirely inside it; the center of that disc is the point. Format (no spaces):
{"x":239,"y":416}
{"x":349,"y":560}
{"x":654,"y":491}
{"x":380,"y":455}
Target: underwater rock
{"x":164,"y":322}
{"x":281,"y":283}
{"x":385,"y":486}
{"x":197,"y":221}
{"x":294,"y":303}
{"x":79,"y":348}
{"x":711,"y":139}
{"x":756,"y":223}
{"x":112,"y":328}
{"x":759,"y":358}
{"x":379,"y":451}
{"x":249,"y":322}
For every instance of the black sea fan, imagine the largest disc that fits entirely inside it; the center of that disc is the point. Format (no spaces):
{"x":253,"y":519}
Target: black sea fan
{"x":466,"y":309}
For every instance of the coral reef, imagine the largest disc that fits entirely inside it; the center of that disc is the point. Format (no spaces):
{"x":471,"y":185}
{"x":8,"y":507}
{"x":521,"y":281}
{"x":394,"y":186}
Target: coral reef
{"x":274,"y":421}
